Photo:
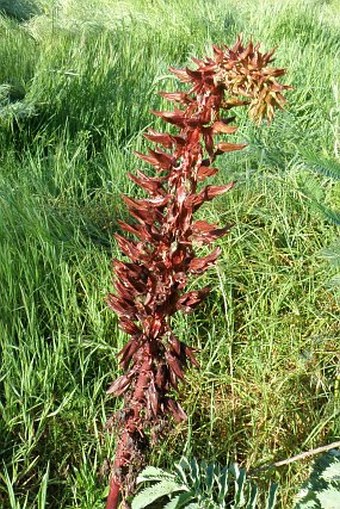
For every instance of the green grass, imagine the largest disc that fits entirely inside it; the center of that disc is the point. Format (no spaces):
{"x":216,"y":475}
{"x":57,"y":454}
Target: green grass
{"x":80,"y":80}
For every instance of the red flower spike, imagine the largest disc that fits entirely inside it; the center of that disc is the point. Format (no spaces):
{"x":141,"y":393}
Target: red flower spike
{"x":151,"y":286}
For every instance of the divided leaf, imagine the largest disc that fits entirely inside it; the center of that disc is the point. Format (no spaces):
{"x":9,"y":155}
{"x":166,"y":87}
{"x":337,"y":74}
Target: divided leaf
{"x":154,"y":492}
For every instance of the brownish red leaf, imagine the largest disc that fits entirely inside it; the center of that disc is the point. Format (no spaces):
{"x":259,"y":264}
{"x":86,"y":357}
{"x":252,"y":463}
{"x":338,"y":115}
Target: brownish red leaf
{"x":119,"y":386}
{"x":230,"y":147}
{"x":190,"y":300}
{"x":200,"y":265}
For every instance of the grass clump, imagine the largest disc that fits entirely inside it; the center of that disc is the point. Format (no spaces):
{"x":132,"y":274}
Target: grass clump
{"x":20,"y":10}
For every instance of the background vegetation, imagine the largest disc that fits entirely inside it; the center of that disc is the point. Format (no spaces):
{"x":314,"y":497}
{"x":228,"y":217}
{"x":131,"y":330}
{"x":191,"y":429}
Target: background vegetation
{"x":77,"y":82}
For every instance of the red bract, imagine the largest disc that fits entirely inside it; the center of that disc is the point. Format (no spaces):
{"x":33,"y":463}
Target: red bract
{"x":151,"y":287}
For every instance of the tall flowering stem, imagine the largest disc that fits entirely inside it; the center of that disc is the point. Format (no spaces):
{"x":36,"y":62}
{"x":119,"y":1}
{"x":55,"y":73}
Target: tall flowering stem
{"x":150,"y":284}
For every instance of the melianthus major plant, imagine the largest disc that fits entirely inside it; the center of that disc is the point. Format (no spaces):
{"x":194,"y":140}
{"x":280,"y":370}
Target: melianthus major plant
{"x":151,"y":284}
{"x":193,"y":485}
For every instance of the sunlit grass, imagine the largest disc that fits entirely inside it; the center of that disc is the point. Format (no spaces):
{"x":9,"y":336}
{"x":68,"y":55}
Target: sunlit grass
{"x":81,"y":79}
